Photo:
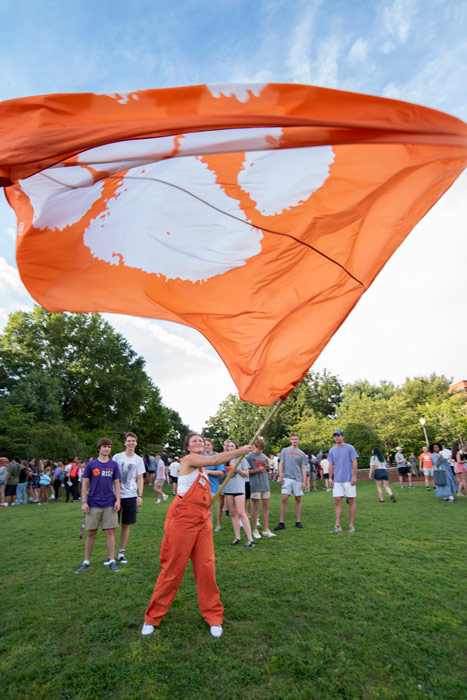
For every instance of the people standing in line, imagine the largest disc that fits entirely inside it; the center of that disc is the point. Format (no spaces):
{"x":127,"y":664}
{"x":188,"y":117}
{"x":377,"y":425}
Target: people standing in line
{"x":161,"y":478}
{"x":67,"y":481}
{"x":132,"y":472}
{"x":74,"y":478}
{"x":403,"y":469}
{"x":188,"y":535}
{"x":11,"y":480}
{"x":426,"y":463}
{"x":45,"y":479}
{"x":448,"y":489}
{"x":21,"y":489}
{"x":343,"y":464}
{"x":259,"y":486}
{"x":461,"y":469}
{"x":174,"y":468}
{"x":58,"y":479}
{"x":292,"y":478}
{"x":101,"y":502}
{"x":234,"y":495}
{"x":379,"y":471}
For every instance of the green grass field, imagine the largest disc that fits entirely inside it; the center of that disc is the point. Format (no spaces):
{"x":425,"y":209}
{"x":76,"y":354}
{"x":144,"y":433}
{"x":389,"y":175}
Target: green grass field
{"x":308,"y":615}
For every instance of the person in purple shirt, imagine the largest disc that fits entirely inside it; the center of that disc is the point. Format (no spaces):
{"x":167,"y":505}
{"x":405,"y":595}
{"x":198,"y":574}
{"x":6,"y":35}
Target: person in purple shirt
{"x":343,"y":465}
{"x":100,"y":497}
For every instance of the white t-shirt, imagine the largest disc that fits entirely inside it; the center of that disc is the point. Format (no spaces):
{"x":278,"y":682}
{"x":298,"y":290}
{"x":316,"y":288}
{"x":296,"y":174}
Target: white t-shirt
{"x":445,"y":453}
{"x":174,"y":468}
{"x":130,"y":469}
{"x":324,"y":464}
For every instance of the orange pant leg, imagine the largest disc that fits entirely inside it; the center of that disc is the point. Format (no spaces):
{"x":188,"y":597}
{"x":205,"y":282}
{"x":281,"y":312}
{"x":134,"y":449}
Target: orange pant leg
{"x":204,"y":569}
{"x":176,"y":549}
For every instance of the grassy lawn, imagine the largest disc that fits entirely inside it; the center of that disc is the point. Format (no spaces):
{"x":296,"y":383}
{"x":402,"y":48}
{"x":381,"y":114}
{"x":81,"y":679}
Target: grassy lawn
{"x":308,"y":614}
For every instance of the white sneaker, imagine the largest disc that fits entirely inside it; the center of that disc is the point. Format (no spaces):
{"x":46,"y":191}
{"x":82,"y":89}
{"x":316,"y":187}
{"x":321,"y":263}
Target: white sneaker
{"x":164,"y":497}
{"x":258,"y":524}
{"x":216,"y":630}
{"x":158,"y":501}
{"x":256,"y":535}
{"x":268,"y":533}
{"x":217,"y":529}
{"x":147,"y":629}
{"x":351,"y":528}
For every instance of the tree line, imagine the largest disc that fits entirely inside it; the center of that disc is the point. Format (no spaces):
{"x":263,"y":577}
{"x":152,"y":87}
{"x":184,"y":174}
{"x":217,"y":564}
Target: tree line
{"x":68,"y":379}
{"x":371,"y":415}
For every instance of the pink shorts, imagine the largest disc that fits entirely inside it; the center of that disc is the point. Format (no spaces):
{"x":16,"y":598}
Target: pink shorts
{"x":460,"y":468}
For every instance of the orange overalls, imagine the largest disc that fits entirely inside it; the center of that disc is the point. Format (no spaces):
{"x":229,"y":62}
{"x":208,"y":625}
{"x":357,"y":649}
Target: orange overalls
{"x":188,"y":535}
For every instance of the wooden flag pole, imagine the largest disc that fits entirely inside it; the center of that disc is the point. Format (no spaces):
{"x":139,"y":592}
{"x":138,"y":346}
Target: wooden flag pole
{"x":256,"y":435}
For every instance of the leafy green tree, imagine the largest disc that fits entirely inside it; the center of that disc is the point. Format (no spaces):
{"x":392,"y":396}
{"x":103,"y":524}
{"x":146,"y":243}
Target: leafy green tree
{"x":99,"y":377}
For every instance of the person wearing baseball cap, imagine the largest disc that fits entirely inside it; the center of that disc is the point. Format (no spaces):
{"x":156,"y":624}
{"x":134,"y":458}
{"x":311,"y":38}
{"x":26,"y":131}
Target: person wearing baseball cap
{"x":343,"y":478}
{"x":403,"y":468}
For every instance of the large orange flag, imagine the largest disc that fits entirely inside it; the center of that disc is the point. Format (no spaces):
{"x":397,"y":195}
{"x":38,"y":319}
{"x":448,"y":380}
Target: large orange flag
{"x":257,"y":214}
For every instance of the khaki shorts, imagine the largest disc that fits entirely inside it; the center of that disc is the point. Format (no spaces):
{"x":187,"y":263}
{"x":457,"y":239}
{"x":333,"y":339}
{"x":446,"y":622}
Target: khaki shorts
{"x":291,"y":486}
{"x":107,"y":516}
{"x":159,"y":482}
{"x":263,"y":495}
{"x":427,"y":471}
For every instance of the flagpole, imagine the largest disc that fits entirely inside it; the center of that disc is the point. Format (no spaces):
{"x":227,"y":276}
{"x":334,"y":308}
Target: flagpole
{"x":256,"y":435}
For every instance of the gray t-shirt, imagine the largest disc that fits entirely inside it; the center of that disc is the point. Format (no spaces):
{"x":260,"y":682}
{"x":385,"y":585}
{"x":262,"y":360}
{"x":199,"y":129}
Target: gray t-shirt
{"x":293,"y":459}
{"x":237,"y":482}
{"x":258,"y":482}
{"x":130,"y":469}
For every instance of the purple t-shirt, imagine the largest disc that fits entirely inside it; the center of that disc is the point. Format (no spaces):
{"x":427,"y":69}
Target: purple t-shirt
{"x":342,"y":457}
{"x":101,"y":476}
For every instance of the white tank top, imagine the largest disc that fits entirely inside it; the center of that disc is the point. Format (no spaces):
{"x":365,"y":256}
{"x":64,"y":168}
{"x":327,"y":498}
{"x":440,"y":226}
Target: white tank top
{"x":186,"y":481}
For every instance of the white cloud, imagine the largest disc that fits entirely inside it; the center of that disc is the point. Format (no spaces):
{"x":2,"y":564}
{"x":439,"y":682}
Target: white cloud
{"x":9,"y":277}
{"x":398,"y":18}
{"x":358,"y":51}
{"x":299,"y":61}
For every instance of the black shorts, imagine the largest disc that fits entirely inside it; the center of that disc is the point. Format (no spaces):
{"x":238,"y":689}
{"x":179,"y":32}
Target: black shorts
{"x":247,"y":490}
{"x":127,"y":512}
{"x":10,"y":490}
{"x":174,"y":479}
{"x":403,"y":471}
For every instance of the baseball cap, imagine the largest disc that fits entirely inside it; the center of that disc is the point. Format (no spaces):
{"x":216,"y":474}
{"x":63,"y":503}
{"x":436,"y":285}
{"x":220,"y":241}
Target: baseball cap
{"x":398,"y":448}
{"x":337,"y":432}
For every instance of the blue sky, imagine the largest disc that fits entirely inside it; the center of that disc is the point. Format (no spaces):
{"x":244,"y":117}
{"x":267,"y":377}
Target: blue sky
{"x":411,"y":320}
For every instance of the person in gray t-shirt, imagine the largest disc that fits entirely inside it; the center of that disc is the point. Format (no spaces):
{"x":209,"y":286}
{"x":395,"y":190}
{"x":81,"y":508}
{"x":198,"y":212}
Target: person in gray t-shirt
{"x":259,"y":487}
{"x":292,"y":478}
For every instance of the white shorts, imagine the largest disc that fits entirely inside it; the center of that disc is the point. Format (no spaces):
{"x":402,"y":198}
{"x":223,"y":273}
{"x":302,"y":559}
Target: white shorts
{"x":260,"y":495}
{"x":344,"y":489}
{"x":292,"y":486}
{"x":427,"y":472}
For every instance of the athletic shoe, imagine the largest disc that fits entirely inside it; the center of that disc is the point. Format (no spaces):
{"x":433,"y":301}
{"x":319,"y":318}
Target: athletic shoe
{"x":122,"y":559}
{"x":106,"y":562}
{"x":351,"y":528}
{"x":381,"y":500}
{"x":393,"y":498}
{"x":268,"y":533}
{"x":256,"y":535}
{"x":147,"y":629}
{"x":427,"y":488}
{"x":258,"y":524}
{"x":164,"y":497}
{"x":216,"y":630}
{"x":328,"y":490}
{"x":451,"y":498}
{"x":217,"y":529}
{"x":250,"y":543}
{"x":158,"y":501}
{"x":281,"y":526}
{"x":299,"y":525}
{"x":336,"y":528}
{"x":113,"y":566}
{"x":82,"y":567}
{"x":402,"y":487}
{"x":234,"y":542}
{"x":411,"y":487}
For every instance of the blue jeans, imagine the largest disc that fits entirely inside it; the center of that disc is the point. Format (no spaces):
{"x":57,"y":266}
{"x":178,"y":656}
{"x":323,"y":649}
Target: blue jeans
{"x":21,"y":495}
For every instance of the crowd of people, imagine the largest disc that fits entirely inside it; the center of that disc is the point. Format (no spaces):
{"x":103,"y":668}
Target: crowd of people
{"x":206,"y":487}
